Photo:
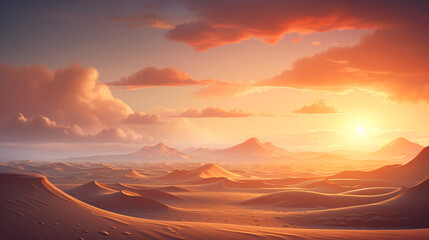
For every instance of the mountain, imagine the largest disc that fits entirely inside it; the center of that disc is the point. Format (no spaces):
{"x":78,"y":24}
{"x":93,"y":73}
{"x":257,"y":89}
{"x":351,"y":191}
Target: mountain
{"x":251,"y":149}
{"x":413,"y":171}
{"x":397,"y":149}
{"x":155,"y":153}
{"x":159,"y":151}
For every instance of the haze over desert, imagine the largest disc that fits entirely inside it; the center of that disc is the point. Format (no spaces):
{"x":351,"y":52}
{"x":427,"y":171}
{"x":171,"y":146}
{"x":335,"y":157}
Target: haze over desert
{"x":186,"y":119}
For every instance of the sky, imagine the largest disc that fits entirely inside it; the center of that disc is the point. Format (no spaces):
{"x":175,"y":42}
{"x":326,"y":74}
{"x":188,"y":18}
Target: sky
{"x":91,"y":77}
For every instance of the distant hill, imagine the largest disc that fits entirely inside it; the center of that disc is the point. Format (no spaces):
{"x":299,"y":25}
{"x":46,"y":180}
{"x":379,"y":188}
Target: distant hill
{"x":155,"y":153}
{"x":413,"y":171}
{"x":397,"y":149}
{"x":250,"y":150}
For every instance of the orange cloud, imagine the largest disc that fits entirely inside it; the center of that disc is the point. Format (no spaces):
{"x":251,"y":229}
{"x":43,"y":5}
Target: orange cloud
{"x":142,"y":118}
{"x":212,"y":112}
{"x":318,"y":107}
{"x":229,"y":22}
{"x":153,"y":77}
{"x":316,"y":43}
{"x":70,"y":96}
{"x":295,"y":40}
{"x":391,"y":61}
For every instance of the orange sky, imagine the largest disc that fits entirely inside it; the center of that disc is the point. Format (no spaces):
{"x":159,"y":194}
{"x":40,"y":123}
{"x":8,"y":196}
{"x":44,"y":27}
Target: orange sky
{"x":305,"y":75}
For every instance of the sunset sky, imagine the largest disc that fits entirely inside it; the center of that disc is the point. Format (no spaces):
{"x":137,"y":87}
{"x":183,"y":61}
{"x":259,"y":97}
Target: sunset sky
{"x":87,"y":77}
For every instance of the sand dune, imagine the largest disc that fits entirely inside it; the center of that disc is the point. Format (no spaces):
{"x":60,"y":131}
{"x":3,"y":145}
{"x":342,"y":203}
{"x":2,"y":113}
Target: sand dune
{"x":324,"y":186}
{"x":413,"y":171}
{"x":131,"y":173}
{"x":127,"y":201}
{"x":148,"y":193}
{"x":370,"y":191}
{"x":225,"y":184}
{"x":302,"y":199}
{"x":408,"y":209}
{"x":173,"y":189}
{"x":207,"y":171}
{"x":32,"y":208}
{"x":92,"y":188}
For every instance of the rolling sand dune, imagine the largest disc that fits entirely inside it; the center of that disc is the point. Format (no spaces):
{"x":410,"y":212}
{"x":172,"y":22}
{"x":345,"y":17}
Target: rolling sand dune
{"x":131,"y":173}
{"x":288,"y":181}
{"x":325,"y":186}
{"x":148,"y":193}
{"x":370,"y":191}
{"x":409,"y":209}
{"x":225,"y":184}
{"x":38,"y":210}
{"x":302,"y":199}
{"x":92,"y":188}
{"x":207,"y":171}
{"x":126,"y":200}
{"x":173,"y":189}
{"x":413,"y":171}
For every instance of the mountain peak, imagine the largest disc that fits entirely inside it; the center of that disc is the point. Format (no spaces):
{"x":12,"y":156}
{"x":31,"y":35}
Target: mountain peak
{"x":160,"y":152}
{"x":400,"y":140}
{"x":399,"y":147}
{"x":158,"y":148}
{"x":160,"y":145}
{"x":252,"y":140}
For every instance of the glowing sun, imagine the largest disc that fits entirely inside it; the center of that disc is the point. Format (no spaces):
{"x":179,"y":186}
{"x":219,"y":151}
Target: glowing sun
{"x":360,"y":130}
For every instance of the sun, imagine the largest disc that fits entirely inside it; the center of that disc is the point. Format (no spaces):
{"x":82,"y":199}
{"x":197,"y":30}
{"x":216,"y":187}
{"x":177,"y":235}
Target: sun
{"x":360,"y":130}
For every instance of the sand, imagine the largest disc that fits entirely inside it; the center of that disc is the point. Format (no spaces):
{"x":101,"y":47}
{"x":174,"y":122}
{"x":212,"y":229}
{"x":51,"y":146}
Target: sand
{"x":42,"y":211}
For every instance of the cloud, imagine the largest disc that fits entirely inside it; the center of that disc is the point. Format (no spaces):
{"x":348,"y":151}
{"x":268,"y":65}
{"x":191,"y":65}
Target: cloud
{"x":69,"y":96}
{"x":318,"y":107}
{"x":145,"y":21}
{"x":295,"y":40}
{"x":153,"y":77}
{"x":316,"y":43}
{"x":228,"y":22}
{"x":212,"y":112}
{"x":142,"y":118}
{"x":42,"y":129}
{"x":224,"y":89}
{"x":390,"y":61}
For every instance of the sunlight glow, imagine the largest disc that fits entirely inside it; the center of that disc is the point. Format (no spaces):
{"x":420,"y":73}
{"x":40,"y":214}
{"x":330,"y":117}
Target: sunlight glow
{"x":360,"y":130}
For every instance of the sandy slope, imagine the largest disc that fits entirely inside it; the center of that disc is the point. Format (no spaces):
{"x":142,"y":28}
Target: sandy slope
{"x":210,"y":170}
{"x":32,"y":208}
{"x":302,"y":199}
{"x":413,"y":171}
{"x":408,"y":209}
